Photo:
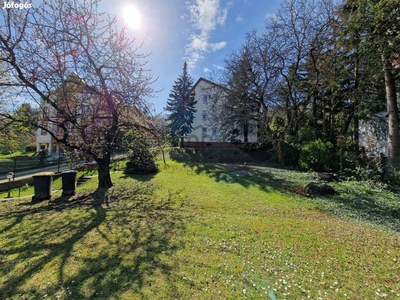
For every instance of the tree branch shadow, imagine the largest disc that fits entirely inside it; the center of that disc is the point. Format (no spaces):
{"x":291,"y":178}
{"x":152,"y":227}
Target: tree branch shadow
{"x":360,"y":205}
{"x":232,"y":169}
{"x":131,"y":234}
{"x":357,"y":205}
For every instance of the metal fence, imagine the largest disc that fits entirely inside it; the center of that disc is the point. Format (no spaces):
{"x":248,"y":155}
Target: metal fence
{"x":18,"y":164}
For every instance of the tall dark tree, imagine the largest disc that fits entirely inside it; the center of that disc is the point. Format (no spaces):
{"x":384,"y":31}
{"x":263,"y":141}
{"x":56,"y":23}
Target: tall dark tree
{"x":181,"y":105}
{"x":377,"y":25}
{"x":277,"y":71}
{"x":230,"y":115}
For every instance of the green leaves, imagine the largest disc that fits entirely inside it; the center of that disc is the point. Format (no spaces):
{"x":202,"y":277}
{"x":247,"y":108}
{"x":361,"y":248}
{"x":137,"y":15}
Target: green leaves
{"x":181,"y":105}
{"x":317,"y":155}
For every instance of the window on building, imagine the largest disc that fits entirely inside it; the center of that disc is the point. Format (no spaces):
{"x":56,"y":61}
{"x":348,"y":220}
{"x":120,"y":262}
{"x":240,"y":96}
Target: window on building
{"x":45,"y":122}
{"x":214,"y":132}
{"x":204,"y":132}
{"x":204,"y":115}
{"x":205,"y":99}
{"x":251,"y":128}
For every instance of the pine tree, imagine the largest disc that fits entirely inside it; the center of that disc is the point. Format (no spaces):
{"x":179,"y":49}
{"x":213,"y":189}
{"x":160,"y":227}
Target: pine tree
{"x":181,"y":103}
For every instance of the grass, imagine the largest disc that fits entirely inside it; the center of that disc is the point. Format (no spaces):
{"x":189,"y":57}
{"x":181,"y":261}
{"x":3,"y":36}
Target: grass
{"x":199,"y":231}
{"x":28,"y":190}
{"x":17,"y":153}
{"x":18,"y":160}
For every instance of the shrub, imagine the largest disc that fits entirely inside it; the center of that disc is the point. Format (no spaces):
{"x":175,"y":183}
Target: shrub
{"x":290,"y":154}
{"x":320,"y":188}
{"x":31,"y":147}
{"x":394,"y":173}
{"x":317,"y":155}
{"x":141,"y":158}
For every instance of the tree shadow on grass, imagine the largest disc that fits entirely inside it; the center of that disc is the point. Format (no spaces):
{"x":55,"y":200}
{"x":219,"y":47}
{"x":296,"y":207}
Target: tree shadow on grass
{"x":364,"y":206}
{"x":100,"y":250}
{"x":233,"y":170}
{"x":139,"y":177}
{"x":359,"y":205}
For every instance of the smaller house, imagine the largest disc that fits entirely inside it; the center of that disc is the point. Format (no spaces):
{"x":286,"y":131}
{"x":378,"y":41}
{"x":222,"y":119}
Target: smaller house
{"x":373,"y":135}
{"x":82,"y":115}
{"x":44,"y":140}
{"x":75,"y":103}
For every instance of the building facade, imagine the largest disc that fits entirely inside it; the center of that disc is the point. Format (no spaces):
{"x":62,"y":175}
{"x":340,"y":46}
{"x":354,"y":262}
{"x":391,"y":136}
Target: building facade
{"x":44,"y":140}
{"x":208,"y":131}
{"x":82,"y":118}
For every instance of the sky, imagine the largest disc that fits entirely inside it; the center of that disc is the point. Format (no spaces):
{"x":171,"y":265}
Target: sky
{"x":201,"y":32}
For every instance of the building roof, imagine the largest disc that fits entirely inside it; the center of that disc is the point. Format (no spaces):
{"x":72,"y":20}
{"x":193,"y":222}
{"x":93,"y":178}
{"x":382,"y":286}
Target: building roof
{"x":208,"y":81}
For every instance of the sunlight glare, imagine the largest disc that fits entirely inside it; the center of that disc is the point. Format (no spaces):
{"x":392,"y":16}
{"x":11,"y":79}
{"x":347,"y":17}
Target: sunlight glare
{"x":132,"y":17}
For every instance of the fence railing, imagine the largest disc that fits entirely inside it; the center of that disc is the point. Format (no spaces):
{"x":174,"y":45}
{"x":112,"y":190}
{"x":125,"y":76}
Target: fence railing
{"x":22,"y":163}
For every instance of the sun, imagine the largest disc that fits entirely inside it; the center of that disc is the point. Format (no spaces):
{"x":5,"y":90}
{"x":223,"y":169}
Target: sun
{"x":132,"y":17}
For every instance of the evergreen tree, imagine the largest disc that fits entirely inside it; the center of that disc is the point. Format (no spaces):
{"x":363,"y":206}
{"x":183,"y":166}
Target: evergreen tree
{"x":181,"y":103}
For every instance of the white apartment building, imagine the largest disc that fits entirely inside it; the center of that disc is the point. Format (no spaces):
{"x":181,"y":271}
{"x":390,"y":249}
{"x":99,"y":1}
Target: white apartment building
{"x":206,"y":130}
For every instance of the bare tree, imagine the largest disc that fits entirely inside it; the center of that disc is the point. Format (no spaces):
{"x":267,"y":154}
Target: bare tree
{"x":276,"y":73}
{"x":81,"y":70}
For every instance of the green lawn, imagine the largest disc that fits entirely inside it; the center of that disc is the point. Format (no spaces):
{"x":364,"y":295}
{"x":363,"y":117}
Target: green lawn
{"x":201,"y":231}
{"x":23,"y":160}
{"x":18,"y":153}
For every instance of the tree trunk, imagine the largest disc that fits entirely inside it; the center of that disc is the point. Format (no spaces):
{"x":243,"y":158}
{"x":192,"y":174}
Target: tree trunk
{"x":393,"y":114}
{"x":279,"y":150}
{"x":356,"y":121}
{"x":324,"y":125}
{"x":104,"y":172}
{"x":246,"y":132}
{"x":356,"y":132}
{"x":314,"y":118}
{"x":182,"y":143}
